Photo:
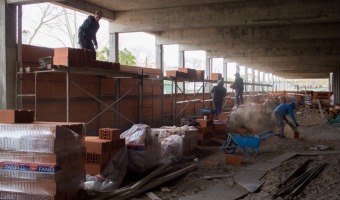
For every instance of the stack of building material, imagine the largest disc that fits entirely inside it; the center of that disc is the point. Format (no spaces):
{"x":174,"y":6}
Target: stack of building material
{"x":72,"y":57}
{"x":215,"y":76}
{"x":221,"y":124}
{"x":188,"y":135}
{"x":41,"y":160}
{"x":16,"y":116}
{"x":144,"y":148}
{"x":186,"y":73}
{"x":100,"y":149}
{"x":205,"y":131}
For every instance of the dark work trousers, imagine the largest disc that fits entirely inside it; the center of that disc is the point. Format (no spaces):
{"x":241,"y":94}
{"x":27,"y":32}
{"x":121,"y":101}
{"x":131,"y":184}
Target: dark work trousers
{"x":239,"y":97}
{"x":89,"y":45}
{"x":218,"y":106}
{"x":280,"y":123}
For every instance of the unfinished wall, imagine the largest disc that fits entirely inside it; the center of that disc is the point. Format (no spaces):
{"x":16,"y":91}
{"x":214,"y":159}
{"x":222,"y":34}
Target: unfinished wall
{"x":51,"y":97}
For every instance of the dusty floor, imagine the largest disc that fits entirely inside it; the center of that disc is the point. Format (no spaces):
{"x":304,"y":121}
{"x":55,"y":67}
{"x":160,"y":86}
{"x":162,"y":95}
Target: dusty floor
{"x":211,"y":161}
{"x":313,"y":132}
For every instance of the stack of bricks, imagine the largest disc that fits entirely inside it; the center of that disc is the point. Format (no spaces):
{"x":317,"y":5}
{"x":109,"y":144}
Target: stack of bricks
{"x":189,"y":142}
{"x":215,"y":76}
{"x":100,"y":149}
{"x":41,"y":160}
{"x":186,"y":73}
{"x":72,"y":57}
{"x":221,"y":124}
{"x":205,"y":131}
{"x":16,"y":116}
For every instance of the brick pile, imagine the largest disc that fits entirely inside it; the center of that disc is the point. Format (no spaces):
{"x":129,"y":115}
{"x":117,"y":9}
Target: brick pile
{"x":72,"y":57}
{"x":186,"y":73}
{"x":16,"y":116}
{"x":205,"y":131}
{"x":100,"y":149}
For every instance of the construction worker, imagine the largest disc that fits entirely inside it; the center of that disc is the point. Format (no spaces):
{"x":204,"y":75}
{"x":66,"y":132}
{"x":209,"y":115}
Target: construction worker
{"x":218,"y":93}
{"x":280,"y":113}
{"x":87,"y":33}
{"x":238,"y":86}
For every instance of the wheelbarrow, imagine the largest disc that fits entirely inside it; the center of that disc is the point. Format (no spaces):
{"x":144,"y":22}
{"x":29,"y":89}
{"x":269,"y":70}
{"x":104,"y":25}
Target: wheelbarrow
{"x":247,"y":142}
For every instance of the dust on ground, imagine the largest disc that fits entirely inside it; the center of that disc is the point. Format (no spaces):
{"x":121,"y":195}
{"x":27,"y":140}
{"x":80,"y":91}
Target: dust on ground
{"x":211,"y":161}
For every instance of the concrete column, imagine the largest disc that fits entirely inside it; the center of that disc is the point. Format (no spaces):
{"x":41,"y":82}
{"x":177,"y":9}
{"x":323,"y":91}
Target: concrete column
{"x":258,"y":80}
{"x":114,"y":47}
{"x":246,"y":78}
{"x":253,"y":79}
{"x":336,"y":87}
{"x":181,"y":58}
{"x":208,"y":67}
{"x":160,"y":58}
{"x":225,"y":70}
{"x":8,"y":55}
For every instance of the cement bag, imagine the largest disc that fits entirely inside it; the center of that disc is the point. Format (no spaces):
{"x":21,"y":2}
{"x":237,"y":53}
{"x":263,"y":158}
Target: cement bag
{"x":144,"y":148}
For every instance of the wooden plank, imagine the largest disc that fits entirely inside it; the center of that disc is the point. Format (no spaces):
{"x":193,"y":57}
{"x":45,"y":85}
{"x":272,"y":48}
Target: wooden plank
{"x":152,"y":196}
{"x":152,"y":184}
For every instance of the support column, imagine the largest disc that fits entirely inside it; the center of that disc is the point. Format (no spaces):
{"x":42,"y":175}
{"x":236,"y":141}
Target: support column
{"x":208,"y":67}
{"x":114,"y":47}
{"x":252,"y":79}
{"x":8,"y":55}
{"x":160,"y":58}
{"x":181,"y":58}
{"x":246,"y":78}
{"x":336,"y":88}
{"x":258,"y":80}
{"x":225,"y":69}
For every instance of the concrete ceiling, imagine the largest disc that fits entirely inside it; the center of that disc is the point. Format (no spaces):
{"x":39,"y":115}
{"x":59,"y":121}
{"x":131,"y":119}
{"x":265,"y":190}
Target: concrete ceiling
{"x":290,"y":38}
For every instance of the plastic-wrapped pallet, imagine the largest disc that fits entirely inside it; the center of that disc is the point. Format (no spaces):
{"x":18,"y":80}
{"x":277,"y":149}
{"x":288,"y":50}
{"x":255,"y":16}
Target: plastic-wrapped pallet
{"x":144,"y":148}
{"x":41,"y":160}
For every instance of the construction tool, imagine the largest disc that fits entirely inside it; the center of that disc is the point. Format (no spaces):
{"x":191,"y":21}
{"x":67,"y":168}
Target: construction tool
{"x":294,"y":128}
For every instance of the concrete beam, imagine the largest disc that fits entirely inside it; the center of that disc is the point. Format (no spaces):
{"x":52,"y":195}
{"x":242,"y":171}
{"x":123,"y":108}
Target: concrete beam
{"x":275,"y":51}
{"x":23,"y":2}
{"x":293,"y":59}
{"x":313,"y":62}
{"x":259,"y":44}
{"x":248,"y":35}
{"x":303,"y":75}
{"x":83,"y":6}
{"x":228,"y":14}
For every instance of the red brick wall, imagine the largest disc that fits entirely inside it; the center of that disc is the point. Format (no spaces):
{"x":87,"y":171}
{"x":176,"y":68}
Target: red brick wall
{"x":51,"y":96}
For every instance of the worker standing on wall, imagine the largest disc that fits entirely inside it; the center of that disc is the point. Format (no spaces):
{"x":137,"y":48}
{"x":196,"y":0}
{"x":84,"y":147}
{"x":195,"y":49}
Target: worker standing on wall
{"x":239,"y":87}
{"x":218,"y":93}
{"x":87,"y":38}
{"x":280,"y":113}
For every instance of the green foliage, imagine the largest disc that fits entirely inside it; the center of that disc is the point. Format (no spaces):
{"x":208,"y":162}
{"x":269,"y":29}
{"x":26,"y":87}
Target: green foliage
{"x":103,"y":55}
{"x":126,"y":57}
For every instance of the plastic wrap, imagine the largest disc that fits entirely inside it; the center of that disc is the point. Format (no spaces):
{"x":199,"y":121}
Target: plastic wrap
{"x":41,"y":160}
{"x":172,"y":148}
{"x":37,"y":138}
{"x":144,"y":148}
{"x":112,"y":176}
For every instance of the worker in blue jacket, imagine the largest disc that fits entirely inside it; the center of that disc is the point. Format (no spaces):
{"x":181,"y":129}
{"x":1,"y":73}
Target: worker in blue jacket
{"x":280,"y":113}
